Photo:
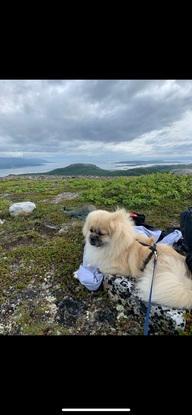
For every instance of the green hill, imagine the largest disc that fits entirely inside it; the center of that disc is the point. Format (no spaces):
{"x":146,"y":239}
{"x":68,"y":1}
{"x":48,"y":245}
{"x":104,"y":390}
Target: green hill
{"x":79,"y":169}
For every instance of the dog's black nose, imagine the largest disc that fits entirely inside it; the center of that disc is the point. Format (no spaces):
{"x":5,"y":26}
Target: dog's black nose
{"x":95,"y":241}
{"x":93,"y":238}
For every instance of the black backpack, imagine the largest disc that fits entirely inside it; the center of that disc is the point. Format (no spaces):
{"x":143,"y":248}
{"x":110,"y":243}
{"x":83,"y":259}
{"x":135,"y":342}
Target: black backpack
{"x":138,"y":218}
{"x":186,"y":228}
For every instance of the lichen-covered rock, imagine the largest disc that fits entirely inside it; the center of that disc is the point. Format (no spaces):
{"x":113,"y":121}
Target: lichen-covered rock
{"x":163,"y":320}
{"x":48,"y":309}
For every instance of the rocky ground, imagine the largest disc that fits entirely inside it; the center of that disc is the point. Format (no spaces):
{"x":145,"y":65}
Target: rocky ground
{"x":38,"y":255}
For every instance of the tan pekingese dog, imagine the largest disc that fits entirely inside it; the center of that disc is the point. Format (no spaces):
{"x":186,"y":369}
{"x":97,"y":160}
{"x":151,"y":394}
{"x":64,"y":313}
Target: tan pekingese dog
{"x":113,"y":246}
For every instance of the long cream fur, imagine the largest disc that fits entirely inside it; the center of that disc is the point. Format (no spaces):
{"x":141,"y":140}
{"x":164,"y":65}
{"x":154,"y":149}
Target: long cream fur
{"x":123,"y":254}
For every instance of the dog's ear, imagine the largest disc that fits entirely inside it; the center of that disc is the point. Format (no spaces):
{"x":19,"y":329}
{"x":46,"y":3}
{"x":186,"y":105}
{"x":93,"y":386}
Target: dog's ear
{"x":117,"y":218}
{"x":120,"y":214}
{"x":86,"y":226}
{"x":112,"y":226}
{"x":122,"y":225}
{"x":84,"y":230}
{"x":87,"y":223}
{"x":123,"y":215}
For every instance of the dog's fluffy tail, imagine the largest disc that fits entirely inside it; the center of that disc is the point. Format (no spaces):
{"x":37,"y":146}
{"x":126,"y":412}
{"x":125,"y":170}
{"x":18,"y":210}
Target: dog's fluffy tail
{"x":169,"y":289}
{"x":178,"y":296}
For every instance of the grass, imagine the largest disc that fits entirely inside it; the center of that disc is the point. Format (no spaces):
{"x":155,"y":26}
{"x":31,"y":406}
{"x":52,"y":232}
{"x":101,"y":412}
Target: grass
{"x":27,"y":253}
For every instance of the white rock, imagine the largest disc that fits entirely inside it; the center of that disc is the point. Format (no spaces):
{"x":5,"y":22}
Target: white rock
{"x":22,"y":208}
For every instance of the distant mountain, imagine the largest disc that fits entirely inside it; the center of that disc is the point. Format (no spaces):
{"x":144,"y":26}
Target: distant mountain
{"x":16,"y":162}
{"x":81,"y":169}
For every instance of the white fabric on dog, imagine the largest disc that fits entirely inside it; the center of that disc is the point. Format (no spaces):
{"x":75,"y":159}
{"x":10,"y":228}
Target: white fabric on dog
{"x":169,"y":239}
{"x":147,"y":232}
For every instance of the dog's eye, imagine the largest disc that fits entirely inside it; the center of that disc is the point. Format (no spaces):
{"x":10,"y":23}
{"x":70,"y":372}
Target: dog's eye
{"x":101,"y":233}
{"x":91,"y":229}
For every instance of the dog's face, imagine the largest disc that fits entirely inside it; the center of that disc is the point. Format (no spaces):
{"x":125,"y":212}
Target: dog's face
{"x":101,"y":228}
{"x":97,"y":229}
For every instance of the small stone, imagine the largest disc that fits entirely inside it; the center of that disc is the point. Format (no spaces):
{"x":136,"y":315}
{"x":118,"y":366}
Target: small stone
{"x":122,"y":316}
{"x":120,"y":307}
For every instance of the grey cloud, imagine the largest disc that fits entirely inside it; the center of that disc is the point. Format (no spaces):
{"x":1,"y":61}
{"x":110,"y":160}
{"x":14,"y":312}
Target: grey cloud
{"x":51,"y":113}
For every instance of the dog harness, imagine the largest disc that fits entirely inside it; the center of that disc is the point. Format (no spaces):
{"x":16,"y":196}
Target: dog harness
{"x":153,"y":249}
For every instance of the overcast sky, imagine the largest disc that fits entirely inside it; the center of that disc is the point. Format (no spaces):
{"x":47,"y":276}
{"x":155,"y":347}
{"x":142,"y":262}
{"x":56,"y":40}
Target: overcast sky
{"x":87,"y":119}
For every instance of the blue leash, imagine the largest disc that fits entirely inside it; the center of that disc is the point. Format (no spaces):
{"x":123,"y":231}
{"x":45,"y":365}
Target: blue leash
{"x":146,"y":323}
